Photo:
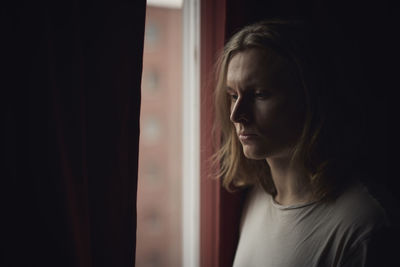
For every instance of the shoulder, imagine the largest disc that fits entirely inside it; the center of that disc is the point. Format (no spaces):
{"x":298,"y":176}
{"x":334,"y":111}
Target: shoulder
{"x":365,"y":222}
{"x":358,"y":209}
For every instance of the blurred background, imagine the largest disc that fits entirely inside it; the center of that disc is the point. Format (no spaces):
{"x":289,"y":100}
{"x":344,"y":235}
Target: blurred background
{"x":159,"y":219}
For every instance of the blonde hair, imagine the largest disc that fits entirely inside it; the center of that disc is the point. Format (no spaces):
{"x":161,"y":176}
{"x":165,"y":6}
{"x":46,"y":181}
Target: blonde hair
{"x":294,"y":41}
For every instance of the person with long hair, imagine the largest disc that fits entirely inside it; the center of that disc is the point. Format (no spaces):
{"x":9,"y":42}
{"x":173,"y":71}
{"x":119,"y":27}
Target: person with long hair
{"x":289,"y":132}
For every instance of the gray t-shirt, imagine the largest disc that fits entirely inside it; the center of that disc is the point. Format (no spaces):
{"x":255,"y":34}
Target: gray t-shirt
{"x":314,"y":234}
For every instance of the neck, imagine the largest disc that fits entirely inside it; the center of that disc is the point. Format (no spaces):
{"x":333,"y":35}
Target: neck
{"x":290,"y":180}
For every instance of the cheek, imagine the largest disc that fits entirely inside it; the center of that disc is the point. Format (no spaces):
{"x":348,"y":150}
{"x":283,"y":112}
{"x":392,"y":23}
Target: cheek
{"x":279,"y":119}
{"x":267,"y":115}
{"x":296,"y":114}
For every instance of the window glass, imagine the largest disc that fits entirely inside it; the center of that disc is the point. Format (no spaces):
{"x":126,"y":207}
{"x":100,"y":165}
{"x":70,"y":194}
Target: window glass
{"x":159,"y":214}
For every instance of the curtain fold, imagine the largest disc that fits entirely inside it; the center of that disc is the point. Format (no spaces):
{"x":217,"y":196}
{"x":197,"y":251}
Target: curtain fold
{"x":74,"y":74}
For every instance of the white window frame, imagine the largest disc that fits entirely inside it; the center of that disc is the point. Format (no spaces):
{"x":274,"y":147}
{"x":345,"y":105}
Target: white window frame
{"x":191,"y":134}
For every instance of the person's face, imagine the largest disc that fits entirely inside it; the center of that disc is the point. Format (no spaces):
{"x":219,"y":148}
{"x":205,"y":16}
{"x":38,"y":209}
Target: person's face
{"x":266,"y":103}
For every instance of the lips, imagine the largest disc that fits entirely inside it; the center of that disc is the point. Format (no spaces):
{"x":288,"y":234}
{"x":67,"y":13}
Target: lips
{"x":247,"y":136}
{"x":246,"y":133}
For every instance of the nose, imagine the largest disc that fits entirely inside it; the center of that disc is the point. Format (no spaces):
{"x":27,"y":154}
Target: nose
{"x":239,"y":111}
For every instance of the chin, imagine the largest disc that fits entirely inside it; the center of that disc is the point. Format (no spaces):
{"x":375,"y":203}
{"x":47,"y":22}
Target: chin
{"x":254,"y":154}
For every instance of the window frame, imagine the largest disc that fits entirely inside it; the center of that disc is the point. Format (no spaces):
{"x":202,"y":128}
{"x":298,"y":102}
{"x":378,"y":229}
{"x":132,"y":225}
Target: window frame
{"x":191,"y":134}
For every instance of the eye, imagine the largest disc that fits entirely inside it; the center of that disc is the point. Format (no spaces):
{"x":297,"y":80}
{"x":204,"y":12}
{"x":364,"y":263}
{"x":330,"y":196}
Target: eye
{"x":233,"y":97}
{"x":262,"y":94}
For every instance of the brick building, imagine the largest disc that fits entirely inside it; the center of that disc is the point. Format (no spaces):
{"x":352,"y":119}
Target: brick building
{"x":159,"y":185}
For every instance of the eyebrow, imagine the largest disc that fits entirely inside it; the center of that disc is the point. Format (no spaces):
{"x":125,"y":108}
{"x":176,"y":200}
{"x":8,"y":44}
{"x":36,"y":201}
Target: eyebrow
{"x":250,"y":86}
{"x":227,"y":88}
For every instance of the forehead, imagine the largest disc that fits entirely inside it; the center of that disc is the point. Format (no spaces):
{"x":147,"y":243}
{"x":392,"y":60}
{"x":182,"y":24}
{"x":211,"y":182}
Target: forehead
{"x":253,"y":65}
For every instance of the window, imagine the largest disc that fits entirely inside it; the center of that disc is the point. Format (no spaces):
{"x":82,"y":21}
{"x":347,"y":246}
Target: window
{"x":168,"y":184}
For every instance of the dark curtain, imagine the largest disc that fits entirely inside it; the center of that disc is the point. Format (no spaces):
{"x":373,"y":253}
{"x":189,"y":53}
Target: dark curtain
{"x":71,"y":96}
